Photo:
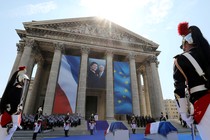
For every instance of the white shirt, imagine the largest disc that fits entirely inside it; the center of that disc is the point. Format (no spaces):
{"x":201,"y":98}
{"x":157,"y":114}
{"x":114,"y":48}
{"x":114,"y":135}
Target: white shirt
{"x":66,"y":126}
{"x":92,"y":125}
{"x":96,"y":117}
{"x":100,"y":74}
{"x":37,"y":127}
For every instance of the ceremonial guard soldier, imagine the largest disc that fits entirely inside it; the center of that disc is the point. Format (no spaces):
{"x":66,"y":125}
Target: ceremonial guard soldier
{"x":133,"y":124}
{"x":191,"y":79}
{"x":12,"y":103}
{"x":37,"y":128}
{"x":67,"y":124}
{"x":92,"y":123}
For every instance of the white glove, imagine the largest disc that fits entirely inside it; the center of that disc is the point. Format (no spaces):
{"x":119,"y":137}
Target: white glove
{"x":187,"y":118}
{"x":20,"y":127}
{"x":182,"y":107}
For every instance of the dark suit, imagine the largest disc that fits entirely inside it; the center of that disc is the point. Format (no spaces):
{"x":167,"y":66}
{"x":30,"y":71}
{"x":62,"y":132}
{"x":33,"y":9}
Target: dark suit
{"x":92,"y":80}
{"x":102,"y":79}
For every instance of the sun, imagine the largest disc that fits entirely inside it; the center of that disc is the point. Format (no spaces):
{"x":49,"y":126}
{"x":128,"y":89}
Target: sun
{"x":118,"y":11}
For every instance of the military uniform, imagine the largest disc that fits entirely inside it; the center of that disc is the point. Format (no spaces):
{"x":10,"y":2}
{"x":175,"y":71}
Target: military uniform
{"x":191,"y":77}
{"x":66,"y":126}
{"x":133,"y":124}
{"x":37,"y":128}
{"x":11,"y":104}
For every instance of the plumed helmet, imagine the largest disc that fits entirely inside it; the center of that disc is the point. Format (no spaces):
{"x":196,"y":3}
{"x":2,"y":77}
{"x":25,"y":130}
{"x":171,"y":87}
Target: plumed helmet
{"x":22,"y":77}
{"x":185,"y":32}
{"x":22,"y":67}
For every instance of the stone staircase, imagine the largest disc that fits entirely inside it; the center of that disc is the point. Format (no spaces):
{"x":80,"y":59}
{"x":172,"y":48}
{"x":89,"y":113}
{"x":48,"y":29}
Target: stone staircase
{"x":52,"y":133}
{"x":82,"y":130}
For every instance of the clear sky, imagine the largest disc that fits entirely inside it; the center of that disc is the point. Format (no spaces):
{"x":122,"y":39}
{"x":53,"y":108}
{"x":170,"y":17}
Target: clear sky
{"x":156,"y":20}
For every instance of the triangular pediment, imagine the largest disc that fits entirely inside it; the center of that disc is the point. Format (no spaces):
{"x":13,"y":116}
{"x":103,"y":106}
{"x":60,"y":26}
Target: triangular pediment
{"x":94,"y":27}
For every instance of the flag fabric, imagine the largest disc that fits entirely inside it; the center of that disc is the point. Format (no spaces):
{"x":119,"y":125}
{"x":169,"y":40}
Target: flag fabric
{"x":107,"y":131}
{"x":115,"y":126}
{"x":66,"y":89}
{"x":5,"y":118}
{"x":122,"y":88}
{"x":162,"y":128}
{"x":7,"y":135}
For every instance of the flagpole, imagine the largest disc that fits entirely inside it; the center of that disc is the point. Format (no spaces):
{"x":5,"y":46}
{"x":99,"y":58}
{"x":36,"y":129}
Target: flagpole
{"x":193,"y":131}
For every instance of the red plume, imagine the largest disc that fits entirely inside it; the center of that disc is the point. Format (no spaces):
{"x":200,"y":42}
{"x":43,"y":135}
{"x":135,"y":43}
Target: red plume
{"x":183,"y":28}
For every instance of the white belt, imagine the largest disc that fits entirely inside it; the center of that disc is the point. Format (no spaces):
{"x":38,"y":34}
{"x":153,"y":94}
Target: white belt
{"x":197,"y":88}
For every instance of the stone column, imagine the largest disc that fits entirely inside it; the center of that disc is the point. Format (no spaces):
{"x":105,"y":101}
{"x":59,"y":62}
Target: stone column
{"x":146,"y":91}
{"x":156,"y":97}
{"x":33,"y":96}
{"x":81,"y":97}
{"x":109,"y":86}
{"x":141,"y":94}
{"x":29,"y":45}
{"x":134,"y":87}
{"x":51,"y":85}
{"x":31,"y":64}
{"x":20,"y":48}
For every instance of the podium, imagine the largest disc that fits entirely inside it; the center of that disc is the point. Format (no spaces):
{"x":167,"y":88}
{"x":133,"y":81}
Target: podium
{"x":117,"y":131}
{"x":161,"y":131}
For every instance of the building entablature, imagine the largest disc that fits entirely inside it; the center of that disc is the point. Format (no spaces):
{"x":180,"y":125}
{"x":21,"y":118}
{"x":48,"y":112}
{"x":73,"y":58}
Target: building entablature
{"x":93,"y":32}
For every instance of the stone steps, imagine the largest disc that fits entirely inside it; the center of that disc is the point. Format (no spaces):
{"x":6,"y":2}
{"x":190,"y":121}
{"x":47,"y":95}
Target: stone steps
{"x":52,"y":133}
{"x":26,"y":135}
{"x":82,"y":130}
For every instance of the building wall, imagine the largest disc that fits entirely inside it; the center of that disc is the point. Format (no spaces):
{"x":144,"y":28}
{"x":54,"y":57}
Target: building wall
{"x":45,"y":41}
{"x":171,"y":109}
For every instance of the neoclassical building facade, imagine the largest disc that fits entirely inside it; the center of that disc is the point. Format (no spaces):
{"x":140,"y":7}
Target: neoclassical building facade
{"x":63,"y":51}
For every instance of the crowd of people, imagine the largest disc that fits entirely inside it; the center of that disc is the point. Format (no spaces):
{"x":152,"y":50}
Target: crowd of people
{"x":49,"y":121}
{"x":141,"y":121}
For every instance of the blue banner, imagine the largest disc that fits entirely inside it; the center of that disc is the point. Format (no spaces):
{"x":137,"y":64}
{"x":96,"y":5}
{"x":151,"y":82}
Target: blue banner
{"x":122,"y":88}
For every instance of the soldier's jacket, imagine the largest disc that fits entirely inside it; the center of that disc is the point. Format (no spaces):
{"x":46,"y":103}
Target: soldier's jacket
{"x":193,"y":78}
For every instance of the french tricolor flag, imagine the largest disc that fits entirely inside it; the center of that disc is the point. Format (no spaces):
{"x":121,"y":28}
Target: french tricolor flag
{"x":107,"y":130}
{"x":66,"y":89}
{"x":162,"y":128}
{"x":152,"y":128}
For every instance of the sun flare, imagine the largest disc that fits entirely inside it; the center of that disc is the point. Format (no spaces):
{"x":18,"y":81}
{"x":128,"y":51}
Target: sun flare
{"x":118,"y":11}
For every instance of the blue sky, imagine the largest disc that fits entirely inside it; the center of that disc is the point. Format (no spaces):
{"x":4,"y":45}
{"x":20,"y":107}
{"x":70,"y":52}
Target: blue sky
{"x":156,"y":20}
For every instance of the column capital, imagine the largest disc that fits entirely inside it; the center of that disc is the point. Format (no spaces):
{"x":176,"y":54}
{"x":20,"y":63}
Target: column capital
{"x":142,"y":69}
{"x":109,"y":53}
{"x":20,"y":47}
{"x":59,"y":46}
{"x":132,"y":55}
{"x":39,"y":60}
{"x":85,"y":50}
{"x":153,"y":59}
{"x":29,"y":42}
